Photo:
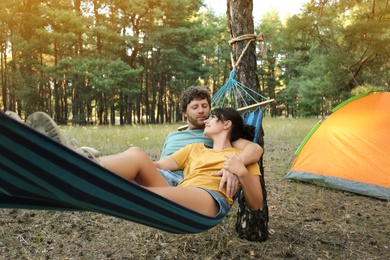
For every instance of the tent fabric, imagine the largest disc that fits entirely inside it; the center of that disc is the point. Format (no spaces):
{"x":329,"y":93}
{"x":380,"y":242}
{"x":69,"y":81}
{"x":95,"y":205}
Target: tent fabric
{"x":349,"y":150}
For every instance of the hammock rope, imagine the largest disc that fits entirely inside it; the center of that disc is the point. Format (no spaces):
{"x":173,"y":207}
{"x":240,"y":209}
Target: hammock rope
{"x":251,"y":38}
{"x":233,"y":93}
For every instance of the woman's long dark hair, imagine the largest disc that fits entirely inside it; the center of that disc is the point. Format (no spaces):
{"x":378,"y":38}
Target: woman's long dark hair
{"x":239,"y":129}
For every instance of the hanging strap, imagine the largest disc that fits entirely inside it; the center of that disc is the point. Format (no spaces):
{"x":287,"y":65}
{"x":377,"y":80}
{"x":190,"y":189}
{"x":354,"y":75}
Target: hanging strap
{"x":251,"y":38}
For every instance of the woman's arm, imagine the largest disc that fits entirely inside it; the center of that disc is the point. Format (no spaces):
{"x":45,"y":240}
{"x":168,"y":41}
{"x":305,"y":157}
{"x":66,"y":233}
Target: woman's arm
{"x":250,"y":183}
{"x":251,"y":152}
{"x":167,"y":163}
{"x":252,"y":190}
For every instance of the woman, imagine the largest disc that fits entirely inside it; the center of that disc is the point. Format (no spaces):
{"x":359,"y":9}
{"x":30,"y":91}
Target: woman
{"x":199,"y":189}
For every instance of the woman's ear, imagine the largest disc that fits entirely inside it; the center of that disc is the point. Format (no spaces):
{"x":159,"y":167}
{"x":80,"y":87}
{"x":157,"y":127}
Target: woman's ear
{"x":227,"y":124}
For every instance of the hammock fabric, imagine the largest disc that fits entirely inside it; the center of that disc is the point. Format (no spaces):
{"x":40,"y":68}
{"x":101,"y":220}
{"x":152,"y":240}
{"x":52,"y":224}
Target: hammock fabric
{"x":37,"y":172}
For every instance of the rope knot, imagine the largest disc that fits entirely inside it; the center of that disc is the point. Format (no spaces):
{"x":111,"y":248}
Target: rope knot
{"x":251,"y":37}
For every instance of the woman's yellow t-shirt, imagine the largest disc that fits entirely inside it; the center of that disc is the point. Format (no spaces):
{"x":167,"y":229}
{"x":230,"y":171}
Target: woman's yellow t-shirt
{"x":199,"y":163}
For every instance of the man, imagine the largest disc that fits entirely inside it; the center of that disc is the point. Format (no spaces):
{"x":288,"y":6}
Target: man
{"x":195,"y":103}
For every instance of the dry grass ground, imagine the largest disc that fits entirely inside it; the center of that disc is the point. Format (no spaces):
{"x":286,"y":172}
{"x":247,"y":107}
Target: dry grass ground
{"x":306,"y":221}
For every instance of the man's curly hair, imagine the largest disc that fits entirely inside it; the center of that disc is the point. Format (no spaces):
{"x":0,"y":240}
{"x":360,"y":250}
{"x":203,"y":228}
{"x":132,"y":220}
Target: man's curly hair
{"x":191,"y":93}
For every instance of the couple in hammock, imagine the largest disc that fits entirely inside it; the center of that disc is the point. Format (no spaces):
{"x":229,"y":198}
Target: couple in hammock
{"x":218,"y":157}
{"x":205,"y":186}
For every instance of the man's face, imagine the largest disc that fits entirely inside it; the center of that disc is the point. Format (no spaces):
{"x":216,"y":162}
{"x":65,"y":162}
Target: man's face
{"x":198,"y":110}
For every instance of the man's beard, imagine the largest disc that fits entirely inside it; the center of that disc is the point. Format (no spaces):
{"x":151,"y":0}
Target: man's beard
{"x":196,"y":123}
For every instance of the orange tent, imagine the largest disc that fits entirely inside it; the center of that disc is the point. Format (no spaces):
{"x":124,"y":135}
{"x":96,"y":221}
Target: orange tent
{"x":349,"y":150}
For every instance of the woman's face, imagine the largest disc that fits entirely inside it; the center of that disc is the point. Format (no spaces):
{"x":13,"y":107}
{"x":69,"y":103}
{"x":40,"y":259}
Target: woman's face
{"x":213,"y":126}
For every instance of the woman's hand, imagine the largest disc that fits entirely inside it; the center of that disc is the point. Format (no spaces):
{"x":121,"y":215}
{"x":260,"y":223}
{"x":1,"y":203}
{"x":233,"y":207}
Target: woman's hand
{"x":229,"y":179}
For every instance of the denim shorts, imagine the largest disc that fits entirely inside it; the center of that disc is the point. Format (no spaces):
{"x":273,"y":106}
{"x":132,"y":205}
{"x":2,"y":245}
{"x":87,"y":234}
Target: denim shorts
{"x":222,"y":203}
{"x":172,"y":178}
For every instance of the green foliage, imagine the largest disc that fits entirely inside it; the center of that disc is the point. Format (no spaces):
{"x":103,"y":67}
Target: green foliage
{"x":366,"y":88}
{"x":86,"y":58}
{"x":328,"y":50}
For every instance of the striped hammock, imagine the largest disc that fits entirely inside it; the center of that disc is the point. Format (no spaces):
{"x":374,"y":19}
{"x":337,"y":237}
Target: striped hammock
{"x":37,"y":172}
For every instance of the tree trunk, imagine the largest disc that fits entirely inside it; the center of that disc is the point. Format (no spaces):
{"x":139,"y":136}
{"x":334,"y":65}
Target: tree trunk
{"x":3,"y":70}
{"x":251,"y":224}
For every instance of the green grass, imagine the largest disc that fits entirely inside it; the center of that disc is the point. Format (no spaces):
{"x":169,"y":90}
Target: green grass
{"x":115,"y":139}
{"x":287,"y":130}
{"x":282,"y":138}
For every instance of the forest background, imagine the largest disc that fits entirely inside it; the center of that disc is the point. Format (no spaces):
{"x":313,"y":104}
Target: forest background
{"x":127,"y":61}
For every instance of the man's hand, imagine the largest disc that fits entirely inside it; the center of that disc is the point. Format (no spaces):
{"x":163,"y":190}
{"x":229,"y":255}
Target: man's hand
{"x":229,"y":179}
{"x":235,"y":165}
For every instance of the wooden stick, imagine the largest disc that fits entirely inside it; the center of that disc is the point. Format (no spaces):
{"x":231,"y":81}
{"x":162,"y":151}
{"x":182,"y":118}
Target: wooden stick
{"x":252,"y":107}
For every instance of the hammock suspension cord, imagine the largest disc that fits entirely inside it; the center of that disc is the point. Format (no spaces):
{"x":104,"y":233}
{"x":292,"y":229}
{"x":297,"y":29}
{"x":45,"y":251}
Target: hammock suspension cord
{"x":233,"y":92}
{"x":251,"y":38}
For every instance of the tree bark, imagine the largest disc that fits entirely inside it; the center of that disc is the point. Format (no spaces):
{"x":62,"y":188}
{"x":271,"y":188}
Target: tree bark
{"x":251,"y":224}
{"x":240,"y":20}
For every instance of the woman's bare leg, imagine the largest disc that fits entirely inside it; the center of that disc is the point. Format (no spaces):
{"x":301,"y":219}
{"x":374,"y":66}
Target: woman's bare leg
{"x":135,"y":164}
{"x":190,"y":197}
